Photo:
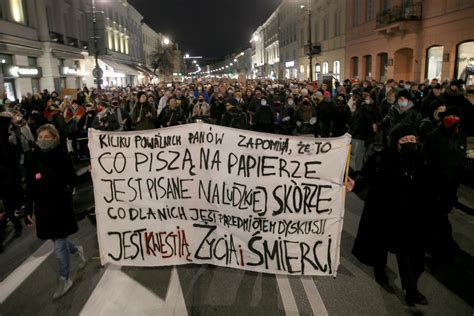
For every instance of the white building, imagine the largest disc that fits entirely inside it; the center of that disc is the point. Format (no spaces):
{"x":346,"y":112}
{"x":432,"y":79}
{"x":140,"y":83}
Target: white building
{"x":288,"y":15}
{"x":123,"y":31}
{"x":328,"y":28}
{"x":258,"y":53}
{"x":44,"y":45}
{"x":272,"y":45}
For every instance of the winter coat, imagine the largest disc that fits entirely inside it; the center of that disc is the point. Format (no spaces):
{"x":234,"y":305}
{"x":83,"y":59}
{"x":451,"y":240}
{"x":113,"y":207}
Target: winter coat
{"x":362,"y":122}
{"x":235,"y":117}
{"x":445,"y":153}
{"x":10,"y":172}
{"x":395,"y":209}
{"x":172,"y":117}
{"x":396,"y":116}
{"x":325,"y":112}
{"x":50,"y":180}
{"x":139,"y":118}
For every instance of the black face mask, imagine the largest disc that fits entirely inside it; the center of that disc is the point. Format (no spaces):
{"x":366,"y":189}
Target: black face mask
{"x":409,"y":149}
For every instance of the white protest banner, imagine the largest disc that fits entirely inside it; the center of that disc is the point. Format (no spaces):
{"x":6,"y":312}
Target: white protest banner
{"x":202,"y":193}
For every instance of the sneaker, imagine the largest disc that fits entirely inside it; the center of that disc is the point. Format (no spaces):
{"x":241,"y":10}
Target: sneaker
{"x":80,"y":255}
{"x":63,"y":287}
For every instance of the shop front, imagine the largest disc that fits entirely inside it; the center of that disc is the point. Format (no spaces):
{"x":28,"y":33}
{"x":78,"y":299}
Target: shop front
{"x":20,"y":80}
{"x":117,"y":74}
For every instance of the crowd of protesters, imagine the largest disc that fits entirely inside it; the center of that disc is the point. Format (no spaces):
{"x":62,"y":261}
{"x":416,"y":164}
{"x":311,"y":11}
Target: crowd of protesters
{"x":408,"y":140}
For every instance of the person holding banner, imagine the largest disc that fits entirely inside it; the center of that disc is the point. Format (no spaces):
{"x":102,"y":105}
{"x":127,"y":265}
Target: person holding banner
{"x":395,"y":211}
{"x":50,"y":179}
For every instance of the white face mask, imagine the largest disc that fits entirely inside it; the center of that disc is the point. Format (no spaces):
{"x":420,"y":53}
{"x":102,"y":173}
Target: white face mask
{"x":291,"y":102}
{"x":263,"y":102}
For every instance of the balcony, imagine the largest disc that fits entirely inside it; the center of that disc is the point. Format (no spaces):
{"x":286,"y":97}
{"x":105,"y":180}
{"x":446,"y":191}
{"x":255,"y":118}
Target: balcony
{"x":399,"y":20}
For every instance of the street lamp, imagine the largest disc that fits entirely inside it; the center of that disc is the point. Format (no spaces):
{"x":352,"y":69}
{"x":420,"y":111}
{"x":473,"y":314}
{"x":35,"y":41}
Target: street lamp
{"x":166,"y":41}
{"x":186,"y":56}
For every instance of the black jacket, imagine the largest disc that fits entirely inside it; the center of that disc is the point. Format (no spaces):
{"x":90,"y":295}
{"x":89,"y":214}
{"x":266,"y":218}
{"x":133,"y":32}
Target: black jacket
{"x":395,"y":207}
{"x":445,"y":153}
{"x":50,"y":178}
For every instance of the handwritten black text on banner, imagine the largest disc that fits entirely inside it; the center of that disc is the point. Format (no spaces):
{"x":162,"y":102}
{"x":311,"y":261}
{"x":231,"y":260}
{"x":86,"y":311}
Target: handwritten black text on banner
{"x":201,"y":193}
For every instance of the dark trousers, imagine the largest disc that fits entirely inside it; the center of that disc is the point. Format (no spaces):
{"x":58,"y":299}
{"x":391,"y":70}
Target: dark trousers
{"x":410,"y":266}
{"x":9,"y":214}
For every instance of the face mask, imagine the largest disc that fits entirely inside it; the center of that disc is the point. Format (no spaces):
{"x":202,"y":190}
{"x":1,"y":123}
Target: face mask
{"x":46,"y":144}
{"x":450,"y":122}
{"x":408,"y":149}
{"x":403,"y":104}
{"x":291,"y":102}
{"x":263,"y":102}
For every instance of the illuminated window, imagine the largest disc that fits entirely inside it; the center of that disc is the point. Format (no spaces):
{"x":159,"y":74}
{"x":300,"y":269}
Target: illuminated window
{"x":116,"y":41}
{"x":17,"y":11}
{"x":434,"y":62}
{"x":121,"y":43}
{"x":336,"y":69}
{"x":465,"y":59}
{"x":110,"y":39}
{"x":126,"y":45}
{"x":325,"y":67}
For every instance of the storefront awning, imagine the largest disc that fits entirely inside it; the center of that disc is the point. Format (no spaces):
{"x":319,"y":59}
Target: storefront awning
{"x":144,"y":69}
{"x":119,"y":67}
{"x":67,"y":55}
{"x":20,"y":50}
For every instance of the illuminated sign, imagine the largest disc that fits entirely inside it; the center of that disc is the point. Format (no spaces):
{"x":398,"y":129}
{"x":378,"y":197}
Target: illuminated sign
{"x":23,"y":71}
{"x":290,"y":64}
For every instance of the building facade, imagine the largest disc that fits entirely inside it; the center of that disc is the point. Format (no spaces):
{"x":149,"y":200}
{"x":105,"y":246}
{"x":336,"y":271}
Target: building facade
{"x":328,"y":30}
{"x":258,"y":53}
{"x":409,"y":39}
{"x":289,"y":16}
{"x":44,"y":44}
{"x":122,"y":26}
{"x":272,"y":46}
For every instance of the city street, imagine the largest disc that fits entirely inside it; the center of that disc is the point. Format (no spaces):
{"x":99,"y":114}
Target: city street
{"x":28,"y":278}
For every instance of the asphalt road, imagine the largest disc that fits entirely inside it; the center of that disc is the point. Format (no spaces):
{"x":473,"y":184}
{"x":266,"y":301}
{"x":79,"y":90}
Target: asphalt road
{"x":28,"y":279}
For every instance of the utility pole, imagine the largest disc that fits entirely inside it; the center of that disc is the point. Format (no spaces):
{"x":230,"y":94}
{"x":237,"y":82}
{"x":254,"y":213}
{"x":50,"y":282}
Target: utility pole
{"x":310,"y":43}
{"x":97,"y":72}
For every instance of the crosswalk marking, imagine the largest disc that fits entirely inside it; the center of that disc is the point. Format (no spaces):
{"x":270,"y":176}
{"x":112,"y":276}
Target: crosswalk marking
{"x":314,"y":297}
{"x":118,"y":294}
{"x":14,"y":280}
{"x":289,"y":303}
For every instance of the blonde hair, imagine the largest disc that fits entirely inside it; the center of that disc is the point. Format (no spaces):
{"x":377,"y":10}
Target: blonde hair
{"x":51,"y":129}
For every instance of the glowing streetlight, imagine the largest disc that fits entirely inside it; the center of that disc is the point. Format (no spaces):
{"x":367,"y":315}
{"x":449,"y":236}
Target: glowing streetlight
{"x":235,"y":60}
{"x":255,"y":38}
{"x":166,"y":41}
{"x":186,"y":56}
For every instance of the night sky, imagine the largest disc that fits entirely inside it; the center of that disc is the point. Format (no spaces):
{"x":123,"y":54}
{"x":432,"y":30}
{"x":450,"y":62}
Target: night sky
{"x":209,"y":28}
